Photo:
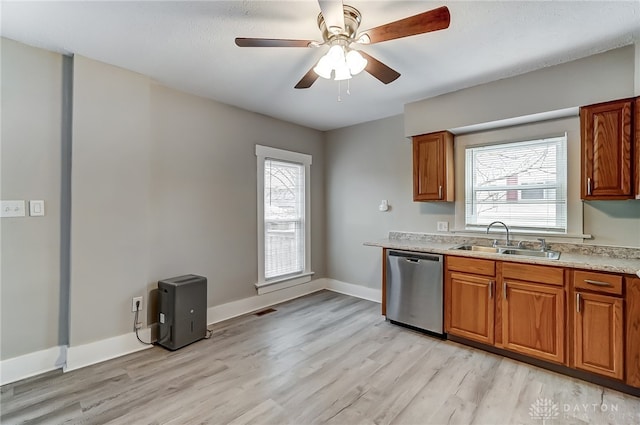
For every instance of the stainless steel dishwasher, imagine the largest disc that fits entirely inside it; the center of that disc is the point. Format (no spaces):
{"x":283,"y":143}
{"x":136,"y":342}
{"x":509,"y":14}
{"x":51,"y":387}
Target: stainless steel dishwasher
{"x":414,"y":290}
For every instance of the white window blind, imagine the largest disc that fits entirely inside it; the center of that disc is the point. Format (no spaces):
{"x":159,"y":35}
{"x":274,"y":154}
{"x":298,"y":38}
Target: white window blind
{"x":284,"y":223}
{"x":284,"y":236}
{"x":523,"y":184}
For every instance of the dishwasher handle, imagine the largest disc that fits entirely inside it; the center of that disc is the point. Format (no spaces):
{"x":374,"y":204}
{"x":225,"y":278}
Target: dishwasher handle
{"x":415,"y":257}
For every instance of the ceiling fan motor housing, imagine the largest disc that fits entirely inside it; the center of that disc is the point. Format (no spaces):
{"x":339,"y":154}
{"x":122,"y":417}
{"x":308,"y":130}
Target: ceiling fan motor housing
{"x":352,"y":19}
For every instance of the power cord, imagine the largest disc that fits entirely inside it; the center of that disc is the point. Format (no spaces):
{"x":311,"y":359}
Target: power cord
{"x":136,"y":325}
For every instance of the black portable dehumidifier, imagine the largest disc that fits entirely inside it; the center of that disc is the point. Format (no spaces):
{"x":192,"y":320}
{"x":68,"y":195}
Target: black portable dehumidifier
{"x":182,"y":310}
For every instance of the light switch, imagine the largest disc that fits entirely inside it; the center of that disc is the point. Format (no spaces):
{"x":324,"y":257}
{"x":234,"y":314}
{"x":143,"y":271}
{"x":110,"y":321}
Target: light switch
{"x":36,"y":208}
{"x":12,"y":209}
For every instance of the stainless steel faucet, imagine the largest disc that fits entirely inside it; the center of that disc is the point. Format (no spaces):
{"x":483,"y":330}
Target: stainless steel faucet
{"x":506,"y":228}
{"x":543,"y":244}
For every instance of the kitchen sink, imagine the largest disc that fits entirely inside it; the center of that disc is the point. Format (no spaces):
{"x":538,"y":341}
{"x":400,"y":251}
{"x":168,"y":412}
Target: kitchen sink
{"x":551,"y":255}
{"x":507,"y":250}
{"x":476,"y":248}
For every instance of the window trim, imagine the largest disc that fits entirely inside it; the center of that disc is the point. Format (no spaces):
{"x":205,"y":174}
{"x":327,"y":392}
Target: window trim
{"x":561,"y":186}
{"x":575,"y":214}
{"x":263,"y":153}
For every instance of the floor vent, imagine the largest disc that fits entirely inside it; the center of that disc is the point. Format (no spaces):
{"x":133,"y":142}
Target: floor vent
{"x":267,"y":311}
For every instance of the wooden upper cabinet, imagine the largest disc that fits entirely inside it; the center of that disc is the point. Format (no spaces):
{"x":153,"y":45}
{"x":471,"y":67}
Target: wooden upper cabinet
{"x":433,"y":167}
{"x":606,"y":137}
{"x":637,"y":148}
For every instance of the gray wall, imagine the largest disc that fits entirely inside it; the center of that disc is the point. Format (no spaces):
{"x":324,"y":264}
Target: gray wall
{"x":30,"y":169}
{"x":597,"y":78}
{"x":110,"y":181}
{"x":203,"y":192}
{"x":370,"y":162}
{"x":164,"y":183}
{"x":365,"y":164}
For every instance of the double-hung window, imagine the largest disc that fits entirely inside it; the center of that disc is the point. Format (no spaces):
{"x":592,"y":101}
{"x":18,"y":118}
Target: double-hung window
{"x":283,"y":218}
{"x":523,"y":184}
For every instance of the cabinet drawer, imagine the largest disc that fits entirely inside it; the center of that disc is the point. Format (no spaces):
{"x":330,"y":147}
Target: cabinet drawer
{"x":598,"y":282}
{"x":538,"y":274}
{"x":471,"y":265}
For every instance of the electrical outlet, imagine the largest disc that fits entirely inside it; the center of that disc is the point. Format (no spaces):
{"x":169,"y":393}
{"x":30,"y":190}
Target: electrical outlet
{"x":134,"y":300}
{"x":443,"y":226}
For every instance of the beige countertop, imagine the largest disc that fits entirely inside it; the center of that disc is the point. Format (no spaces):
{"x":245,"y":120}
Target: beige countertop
{"x":579,"y":260}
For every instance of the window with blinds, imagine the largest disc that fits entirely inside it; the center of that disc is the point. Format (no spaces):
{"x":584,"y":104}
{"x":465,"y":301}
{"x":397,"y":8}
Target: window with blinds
{"x":284,"y":212}
{"x":523,"y":184}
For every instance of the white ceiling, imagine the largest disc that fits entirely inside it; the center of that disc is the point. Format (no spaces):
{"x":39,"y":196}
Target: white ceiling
{"x":189,"y":45}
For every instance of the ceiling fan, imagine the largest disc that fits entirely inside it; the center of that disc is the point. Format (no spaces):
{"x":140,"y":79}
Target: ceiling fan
{"x":339,"y":25}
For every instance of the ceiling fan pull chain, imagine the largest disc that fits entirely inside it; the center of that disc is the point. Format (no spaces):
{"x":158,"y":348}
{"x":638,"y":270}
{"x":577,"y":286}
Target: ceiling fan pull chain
{"x":339,"y":98}
{"x":349,"y":87}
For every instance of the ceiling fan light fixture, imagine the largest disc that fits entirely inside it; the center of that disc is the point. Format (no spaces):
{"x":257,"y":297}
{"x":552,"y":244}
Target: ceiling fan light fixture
{"x":342,"y":66}
{"x":356,"y":62}
{"x":342,"y":72}
{"x":336,"y":55}
{"x":324,"y":67}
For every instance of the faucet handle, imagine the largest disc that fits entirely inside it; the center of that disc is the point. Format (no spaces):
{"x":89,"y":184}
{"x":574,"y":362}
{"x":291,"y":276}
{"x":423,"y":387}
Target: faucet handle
{"x":543,"y":244}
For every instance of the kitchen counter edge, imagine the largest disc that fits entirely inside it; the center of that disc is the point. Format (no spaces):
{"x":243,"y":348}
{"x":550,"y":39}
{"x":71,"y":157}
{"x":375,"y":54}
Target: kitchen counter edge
{"x":567,"y":259}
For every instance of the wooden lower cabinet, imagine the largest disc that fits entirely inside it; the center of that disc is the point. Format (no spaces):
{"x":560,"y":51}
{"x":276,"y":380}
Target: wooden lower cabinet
{"x":598,"y":334}
{"x":585,"y":320}
{"x":533,"y":320}
{"x":472,"y":306}
{"x":632,"y":331}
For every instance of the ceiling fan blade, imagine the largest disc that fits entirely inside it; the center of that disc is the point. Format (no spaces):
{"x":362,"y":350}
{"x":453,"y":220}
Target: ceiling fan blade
{"x":333,"y":14}
{"x":308,"y":79}
{"x":272,"y":42}
{"x":433,"y":20}
{"x":379,"y":70}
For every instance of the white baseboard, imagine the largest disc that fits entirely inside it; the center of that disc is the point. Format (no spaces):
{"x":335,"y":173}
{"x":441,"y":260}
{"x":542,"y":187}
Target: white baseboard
{"x":226,"y":311}
{"x":106,"y":349}
{"x":79,"y":356}
{"x":357,"y":291}
{"x":21,"y":367}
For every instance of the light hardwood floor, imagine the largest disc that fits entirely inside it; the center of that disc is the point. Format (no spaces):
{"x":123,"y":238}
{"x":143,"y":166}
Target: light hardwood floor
{"x":323,"y":358}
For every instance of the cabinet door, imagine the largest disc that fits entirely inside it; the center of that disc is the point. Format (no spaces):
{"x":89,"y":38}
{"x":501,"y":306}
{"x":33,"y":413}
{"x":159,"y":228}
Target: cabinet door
{"x":636,"y":137}
{"x":471,"y":307}
{"x":606,"y":150}
{"x":598,"y":334}
{"x":433,"y":167}
{"x":533,"y":320}
{"x":632,"y":331}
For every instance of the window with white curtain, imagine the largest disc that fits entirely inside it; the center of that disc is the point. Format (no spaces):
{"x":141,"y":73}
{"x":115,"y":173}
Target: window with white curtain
{"x":521,"y":183}
{"x":283,"y":218}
